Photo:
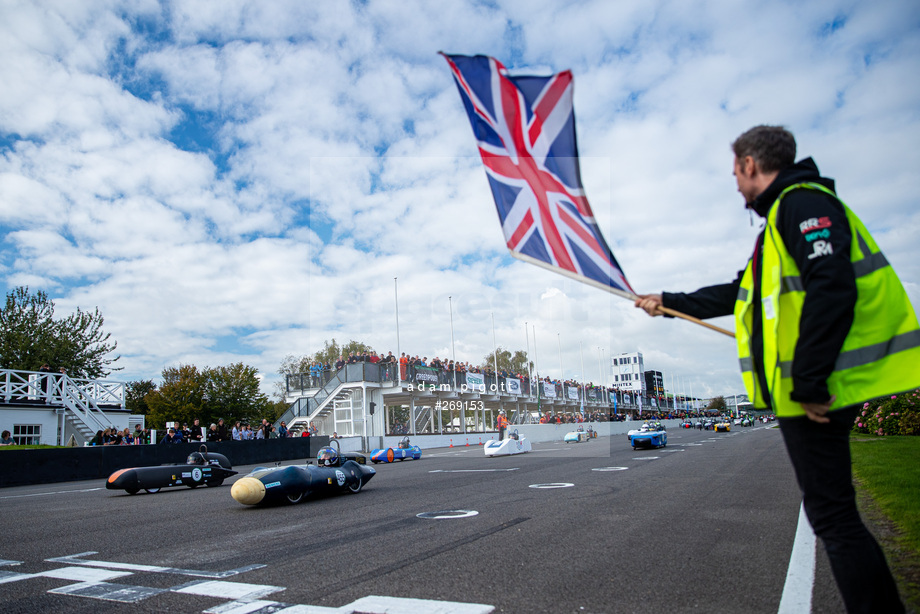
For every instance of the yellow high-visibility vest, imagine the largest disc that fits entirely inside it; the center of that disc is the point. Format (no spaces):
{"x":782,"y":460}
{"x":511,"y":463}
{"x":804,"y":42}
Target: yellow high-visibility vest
{"x":880,"y":355}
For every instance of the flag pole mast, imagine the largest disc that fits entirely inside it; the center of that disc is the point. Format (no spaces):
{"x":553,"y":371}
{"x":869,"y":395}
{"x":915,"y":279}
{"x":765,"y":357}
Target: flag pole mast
{"x":618,"y":292}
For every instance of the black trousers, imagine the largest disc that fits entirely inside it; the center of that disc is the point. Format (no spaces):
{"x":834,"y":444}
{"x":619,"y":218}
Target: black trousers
{"x":820,"y":455}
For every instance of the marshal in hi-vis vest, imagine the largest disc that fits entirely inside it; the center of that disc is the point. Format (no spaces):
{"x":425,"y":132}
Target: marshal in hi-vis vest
{"x":880,"y":355}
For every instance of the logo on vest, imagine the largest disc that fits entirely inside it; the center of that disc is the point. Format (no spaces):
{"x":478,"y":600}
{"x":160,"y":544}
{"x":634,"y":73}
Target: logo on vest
{"x":822,"y":248}
{"x":815,"y":223}
{"x":818,"y":234}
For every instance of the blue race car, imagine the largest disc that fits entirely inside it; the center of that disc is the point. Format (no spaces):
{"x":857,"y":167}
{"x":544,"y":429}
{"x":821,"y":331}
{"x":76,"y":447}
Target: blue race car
{"x":402,"y":452}
{"x":649,"y":436}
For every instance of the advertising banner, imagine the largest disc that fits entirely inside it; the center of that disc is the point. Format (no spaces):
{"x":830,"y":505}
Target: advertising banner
{"x":427,"y":376}
{"x":476,"y":382}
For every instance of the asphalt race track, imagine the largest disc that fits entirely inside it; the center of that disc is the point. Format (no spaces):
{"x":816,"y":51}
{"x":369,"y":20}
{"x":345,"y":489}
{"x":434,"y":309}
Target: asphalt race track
{"x":704,"y":525}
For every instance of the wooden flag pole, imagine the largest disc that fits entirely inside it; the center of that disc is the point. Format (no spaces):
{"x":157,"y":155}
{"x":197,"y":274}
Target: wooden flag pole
{"x":623,"y":293}
{"x":683,"y":316}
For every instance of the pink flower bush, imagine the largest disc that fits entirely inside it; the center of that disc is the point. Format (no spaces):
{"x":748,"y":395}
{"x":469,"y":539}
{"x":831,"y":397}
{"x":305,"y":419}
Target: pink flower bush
{"x":898,"y":415}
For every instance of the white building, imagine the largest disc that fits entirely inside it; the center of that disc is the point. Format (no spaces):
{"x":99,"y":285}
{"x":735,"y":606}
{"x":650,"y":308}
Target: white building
{"x":50,"y":408}
{"x":628,"y":372}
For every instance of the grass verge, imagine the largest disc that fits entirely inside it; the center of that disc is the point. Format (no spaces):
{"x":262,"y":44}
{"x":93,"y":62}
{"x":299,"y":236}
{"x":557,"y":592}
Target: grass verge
{"x":887,"y":473}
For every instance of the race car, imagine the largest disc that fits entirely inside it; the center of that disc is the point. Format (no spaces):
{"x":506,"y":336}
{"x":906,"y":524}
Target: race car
{"x":203,"y":467}
{"x":332,"y":474}
{"x":576,"y":436}
{"x":649,"y":436}
{"x":402,"y":452}
{"x":645,"y":428}
{"x":513,"y":444}
{"x":686,"y":424}
{"x":723,"y":425}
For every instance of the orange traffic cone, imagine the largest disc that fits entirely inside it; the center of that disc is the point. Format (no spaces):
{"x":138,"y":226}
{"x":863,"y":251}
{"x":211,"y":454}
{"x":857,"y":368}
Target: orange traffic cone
{"x":451,"y":444}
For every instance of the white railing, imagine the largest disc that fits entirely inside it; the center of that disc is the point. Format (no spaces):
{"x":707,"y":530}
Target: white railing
{"x":82,"y":397}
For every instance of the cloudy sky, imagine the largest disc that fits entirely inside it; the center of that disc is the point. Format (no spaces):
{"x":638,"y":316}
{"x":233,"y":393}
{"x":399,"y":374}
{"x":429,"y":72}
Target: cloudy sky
{"x":238,"y":181}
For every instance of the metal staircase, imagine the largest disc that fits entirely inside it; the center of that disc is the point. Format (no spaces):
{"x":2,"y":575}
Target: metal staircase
{"x":424,"y":421}
{"x":82,"y":400}
{"x":318,"y":405}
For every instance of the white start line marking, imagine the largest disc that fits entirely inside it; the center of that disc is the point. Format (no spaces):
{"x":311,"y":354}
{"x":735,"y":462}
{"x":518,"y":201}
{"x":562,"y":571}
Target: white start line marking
{"x":92,"y":581}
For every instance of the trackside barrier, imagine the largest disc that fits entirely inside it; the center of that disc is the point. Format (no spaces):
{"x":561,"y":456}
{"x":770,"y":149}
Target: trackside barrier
{"x":536,"y":433}
{"x":46,"y":466}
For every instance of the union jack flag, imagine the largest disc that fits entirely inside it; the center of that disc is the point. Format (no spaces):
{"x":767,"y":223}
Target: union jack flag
{"x":525,"y":129}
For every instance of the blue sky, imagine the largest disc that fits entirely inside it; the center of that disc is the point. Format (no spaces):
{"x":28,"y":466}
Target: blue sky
{"x":241,"y":181}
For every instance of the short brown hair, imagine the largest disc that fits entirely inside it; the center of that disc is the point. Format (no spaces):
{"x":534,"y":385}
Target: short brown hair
{"x":772,"y":147}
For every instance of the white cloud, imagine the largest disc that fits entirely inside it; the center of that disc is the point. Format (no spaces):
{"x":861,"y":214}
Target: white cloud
{"x":243,"y":180}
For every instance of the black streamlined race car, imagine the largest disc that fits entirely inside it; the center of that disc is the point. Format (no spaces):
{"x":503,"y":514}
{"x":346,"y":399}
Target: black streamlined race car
{"x":203,"y":467}
{"x":333,"y":473}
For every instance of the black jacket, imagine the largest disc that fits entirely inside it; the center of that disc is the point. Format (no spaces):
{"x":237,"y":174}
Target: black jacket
{"x":815,"y":231}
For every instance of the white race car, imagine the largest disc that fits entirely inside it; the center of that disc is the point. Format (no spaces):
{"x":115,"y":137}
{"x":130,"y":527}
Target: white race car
{"x":579,"y":436}
{"x":514,"y":444}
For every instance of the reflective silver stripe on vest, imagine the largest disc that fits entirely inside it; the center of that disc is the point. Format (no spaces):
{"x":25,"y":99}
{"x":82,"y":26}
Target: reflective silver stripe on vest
{"x":747,"y":364}
{"x":785,"y":368}
{"x":791,"y":284}
{"x":866,"y":355}
{"x":877,"y":351}
{"x":869,"y":263}
{"x":742,"y":295}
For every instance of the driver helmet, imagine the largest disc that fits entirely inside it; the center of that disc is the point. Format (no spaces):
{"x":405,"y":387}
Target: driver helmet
{"x":514,"y":435}
{"x":327,"y":457}
{"x":196,"y":458}
{"x":404,"y":443}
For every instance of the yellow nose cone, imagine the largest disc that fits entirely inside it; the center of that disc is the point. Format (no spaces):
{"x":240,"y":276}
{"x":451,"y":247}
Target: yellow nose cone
{"x":248,"y":491}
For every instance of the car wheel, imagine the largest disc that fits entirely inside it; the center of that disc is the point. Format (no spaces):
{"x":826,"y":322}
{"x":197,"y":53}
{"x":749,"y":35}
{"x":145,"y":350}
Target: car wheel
{"x":152,"y":490}
{"x":215,"y":483}
{"x":356,"y":487}
{"x":131,"y":491}
{"x":296,"y":497}
{"x":191,"y":484}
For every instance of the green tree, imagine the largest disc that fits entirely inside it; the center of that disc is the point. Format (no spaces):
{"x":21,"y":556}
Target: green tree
{"x":135,"y":396}
{"x":31,"y":336}
{"x":230,"y":392}
{"x":179,"y":398}
{"x":278,"y":408}
{"x":234,"y":394}
{"x":718,"y":404}
{"x":512,"y":363}
{"x":520,"y":363}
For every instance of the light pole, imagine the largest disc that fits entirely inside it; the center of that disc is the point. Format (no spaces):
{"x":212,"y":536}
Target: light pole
{"x":453,"y":352}
{"x":396,"y":296}
{"x":561,"y":372}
